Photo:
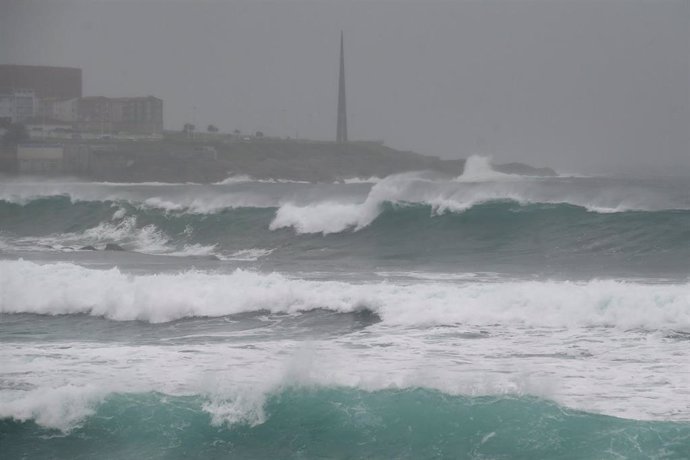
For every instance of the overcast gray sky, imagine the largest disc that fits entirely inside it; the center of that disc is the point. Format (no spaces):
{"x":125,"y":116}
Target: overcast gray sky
{"x":583,"y":86}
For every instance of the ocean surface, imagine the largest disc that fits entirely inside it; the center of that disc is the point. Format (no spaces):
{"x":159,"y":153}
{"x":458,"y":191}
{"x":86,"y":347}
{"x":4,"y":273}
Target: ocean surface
{"x":486,"y":316}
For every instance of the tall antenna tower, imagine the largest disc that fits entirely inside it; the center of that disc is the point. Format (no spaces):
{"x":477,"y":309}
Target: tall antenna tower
{"x":341,"y":136}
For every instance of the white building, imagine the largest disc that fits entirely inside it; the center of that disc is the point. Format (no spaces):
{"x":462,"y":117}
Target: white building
{"x":66,"y":110}
{"x":18,"y":105}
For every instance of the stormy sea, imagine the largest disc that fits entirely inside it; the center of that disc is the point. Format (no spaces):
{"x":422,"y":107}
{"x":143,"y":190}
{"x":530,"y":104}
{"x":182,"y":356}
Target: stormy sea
{"x":485,"y":316}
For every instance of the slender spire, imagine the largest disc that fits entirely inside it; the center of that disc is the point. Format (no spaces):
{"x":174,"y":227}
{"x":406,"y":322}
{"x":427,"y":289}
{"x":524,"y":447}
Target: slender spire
{"x":342,"y":111}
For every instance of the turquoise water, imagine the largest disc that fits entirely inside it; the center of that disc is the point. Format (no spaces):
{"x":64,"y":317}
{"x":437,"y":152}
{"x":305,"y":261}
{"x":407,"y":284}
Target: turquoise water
{"x":416,"y":316}
{"x":347,"y":423}
{"x":499,"y":235}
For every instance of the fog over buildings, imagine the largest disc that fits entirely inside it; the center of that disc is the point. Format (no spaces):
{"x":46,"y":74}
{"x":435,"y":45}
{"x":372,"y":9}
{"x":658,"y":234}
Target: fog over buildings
{"x":583,"y":86}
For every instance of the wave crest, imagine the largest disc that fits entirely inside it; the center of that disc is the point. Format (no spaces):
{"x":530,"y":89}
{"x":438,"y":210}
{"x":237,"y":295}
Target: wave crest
{"x":479,"y":185}
{"x":64,"y":288}
{"x":478,"y":169}
{"x":337,"y":422}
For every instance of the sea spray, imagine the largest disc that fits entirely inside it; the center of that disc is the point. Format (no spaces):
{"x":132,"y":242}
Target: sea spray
{"x":478,"y":168}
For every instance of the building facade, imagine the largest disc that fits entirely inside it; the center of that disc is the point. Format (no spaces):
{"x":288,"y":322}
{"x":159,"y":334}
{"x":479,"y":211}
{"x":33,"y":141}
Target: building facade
{"x":136,"y":115}
{"x":45,"y":81}
{"x":94,"y":114}
{"x":55,"y":93}
{"x":66,"y":110}
{"x":26,"y":90}
{"x":17,"y":105}
{"x":142,"y":115}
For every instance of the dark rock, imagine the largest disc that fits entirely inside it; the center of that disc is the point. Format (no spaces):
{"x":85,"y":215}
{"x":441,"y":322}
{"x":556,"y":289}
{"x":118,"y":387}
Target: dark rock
{"x":113,"y":247}
{"x":87,"y":248}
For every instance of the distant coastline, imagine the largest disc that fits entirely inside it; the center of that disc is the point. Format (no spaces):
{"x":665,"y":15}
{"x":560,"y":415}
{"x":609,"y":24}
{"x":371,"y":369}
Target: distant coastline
{"x":209,"y":160}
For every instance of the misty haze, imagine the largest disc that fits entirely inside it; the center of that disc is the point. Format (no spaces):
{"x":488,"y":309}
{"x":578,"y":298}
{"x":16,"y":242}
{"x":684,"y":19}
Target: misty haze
{"x":344,"y":229}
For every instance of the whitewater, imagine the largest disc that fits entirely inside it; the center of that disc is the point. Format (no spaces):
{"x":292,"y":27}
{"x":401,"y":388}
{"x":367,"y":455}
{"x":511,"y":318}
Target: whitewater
{"x":412,"y":316}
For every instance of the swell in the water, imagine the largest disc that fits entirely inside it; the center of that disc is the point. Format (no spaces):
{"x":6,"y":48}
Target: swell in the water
{"x":480,"y":183}
{"x":459,"y":196}
{"x":384,"y":229}
{"x":58,"y":223}
{"x":336,"y":422}
{"x":64,"y":288}
{"x":413,"y":217}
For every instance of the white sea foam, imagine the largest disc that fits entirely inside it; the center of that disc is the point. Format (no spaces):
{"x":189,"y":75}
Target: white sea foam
{"x":234,"y":395}
{"x":119,"y":214}
{"x":207,"y":204}
{"x":409,"y":188}
{"x":60,"y":408}
{"x":362,"y":180}
{"x":588,"y":369}
{"x":130,"y":184}
{"x":145,"y":239}
{"x":478,"y":169}
{"x":478,"y":185}
{"x":239,"y":406}
{"x":195,"y":249}
{"x":236,"y":179}
{"x":248,"y":255}
{"x":200,"y":250}
{"x":333,"y":217}
{"x":121,"y":230}
{"x":325,"y":217}
{"x":243,"y":178}
{"x":581,"y":344}
{"x":63,"y":288}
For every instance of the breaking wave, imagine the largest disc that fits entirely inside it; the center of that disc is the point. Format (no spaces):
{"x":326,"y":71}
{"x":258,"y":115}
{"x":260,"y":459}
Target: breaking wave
{"x":493,"y":232}
{"x":478,"y":169}
{"x":454,"y":197}
{"x":64,"y":288}
{"x":337,"y":422}
{"x":243,"y":178}
{"x":121,"y":230}
{"x":413,"y":218}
